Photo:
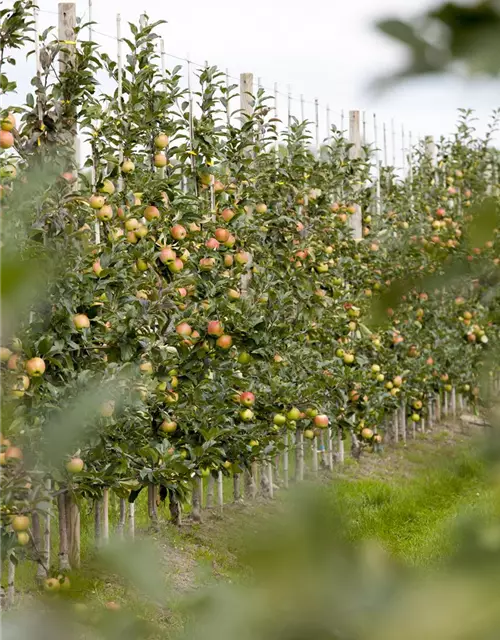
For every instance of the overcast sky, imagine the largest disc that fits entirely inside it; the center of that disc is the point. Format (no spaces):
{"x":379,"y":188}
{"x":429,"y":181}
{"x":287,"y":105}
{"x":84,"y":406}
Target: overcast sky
{"x":327,"y":49}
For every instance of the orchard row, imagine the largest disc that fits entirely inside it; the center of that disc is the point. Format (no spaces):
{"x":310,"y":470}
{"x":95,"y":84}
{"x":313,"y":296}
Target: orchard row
{"x":204,"y":304}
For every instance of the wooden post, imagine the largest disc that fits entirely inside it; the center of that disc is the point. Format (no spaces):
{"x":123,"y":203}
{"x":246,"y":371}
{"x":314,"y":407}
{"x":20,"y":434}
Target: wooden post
{"x":121,"y":518}
{"x":220,"y":491}
{"x":395,"y":426}
{"x":73,"y":519}
{"x":314,"y":452}
{"x":105,"y":516}
{"x":97,"y":523}
{"x":246,"y":96}
{"x":131,"y":520}
{"x":285,"y":461}
{"x":299,"y":456}
{"x":355,"y":219}
{"x":11,"y":582}
{"x":67,"y":37}
{"x":341,"y":448}
{"x":403,"y":420}
{"x":330,"y":448}
{"x":210,"y":491}
{"x":63,"y":533}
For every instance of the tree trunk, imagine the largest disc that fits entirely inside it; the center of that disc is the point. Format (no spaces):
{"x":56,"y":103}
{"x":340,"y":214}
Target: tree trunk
{"x":236,"y":487}
{"x":153,"y":512}
{"x":210,"y":491}
{"x":11,"y":583}
{"x":299,"y":456}
{"x":175,"y":509}
{"x":330,"y":448}
{"x":73,"y":519}
{"x":220,"y":491}
{"x":340,"y":442}
{"x":120,"y":529}
{"x":47,"y":524}
{"x":41,"y":568}
{"x":250,"y":488}
{"x":196,"y":499}
{"x":105,"y":516}
{"x":314,"y":456}
{"x":63,"y":533}
{"x":131,"y":520}
{"x":264,"y":481}
{"x":285,"y":461}
{"x":97,"y":523}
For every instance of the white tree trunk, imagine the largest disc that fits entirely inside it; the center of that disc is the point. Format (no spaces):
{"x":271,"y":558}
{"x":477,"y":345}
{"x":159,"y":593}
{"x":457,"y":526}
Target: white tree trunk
{"x":196,"y":499}
{"x":63,"y":533}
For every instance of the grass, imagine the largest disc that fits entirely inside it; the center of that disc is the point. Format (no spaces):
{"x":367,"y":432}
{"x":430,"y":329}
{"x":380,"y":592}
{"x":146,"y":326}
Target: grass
{"x":406,"y":499}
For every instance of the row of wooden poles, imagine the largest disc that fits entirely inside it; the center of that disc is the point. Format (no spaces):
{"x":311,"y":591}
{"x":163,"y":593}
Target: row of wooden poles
{"x":263,"y":479}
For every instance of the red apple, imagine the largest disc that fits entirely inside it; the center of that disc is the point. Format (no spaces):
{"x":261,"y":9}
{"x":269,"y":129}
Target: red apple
{"x":167,"y":254}
{"x":6,"y":139}
{"x":184,"y":329}
{"x":224,"y":342}
{"x":222,"y":235}
{"x":151,"y":212}
{"x":178,"y":232}
{"x":176,"y":266}
{"x":215,"y":328}
{"x":321,"y":421}
{"x":227,"y":215}
{"x":207,"y":264}
{"x":35,"y":367}
{"x":247,"y":398}
{"x":8,"y":122}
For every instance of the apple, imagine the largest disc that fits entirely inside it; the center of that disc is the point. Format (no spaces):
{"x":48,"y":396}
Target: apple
{"x":293,"y":414}
{"x":176,"y":265}
{"x":230,"y":242}
{"x":375,"y":368}
{"x":244,"y":358}
{"x":151,"y":213}
{"x":96,"y":268}
{"x":380,"y":377}
{"x":141,"y":231}
{"x":279,"y":419}
{"x":415,"y":417}
{"x":224,"y":342}
{"x":51,"y":585}
{"x":161,"y":141}
{"x":227,"y":215}
{"x":13,"y":453}
{"x":367,"y":433}
{"x":309,"y":434}
{"x":6,"y":139}
{"x":261,"y":208}
{"x":168,"y":426}
{"x":64,"y":582}
{"x":75,"y":465}
{"x":96,"y":201}
{"x":8,"y":122}
{"x":127,"y":166}
{"x":247,"y":398}
{"x":23,"y":538}
{"x":233,"y":294}
{"x":8,"y":171}
{"x":81,"y":321}
{"x":348,"y":358}
{"x":242,"y":257}
{"x":221,"y":234}
{"x":167,"y":254}
{"x":108,"y":408}
{"x":20,"y":523}
{"x":146,"y":367}
{"x":35,"y":367}
{"x":247,"y":415}
{"x":5,"y":354}
{"x":227,"y":464}
{"x":398,"y":381}
{"x":172,"y":398}
{"x":207,"y":264}
{"x":254,"y":443}
{"x":160,"y":160}
{"x":218,"y":186}
{"x":105,"y":213}
{"x":228,"y":260}
{"x":321,"y":421}
{"x":215,"y":328}
{"x":212,"y":243}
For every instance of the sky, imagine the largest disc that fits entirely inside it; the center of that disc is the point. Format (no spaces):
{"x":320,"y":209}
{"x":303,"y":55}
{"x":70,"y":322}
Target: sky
{"x":324,"y":49}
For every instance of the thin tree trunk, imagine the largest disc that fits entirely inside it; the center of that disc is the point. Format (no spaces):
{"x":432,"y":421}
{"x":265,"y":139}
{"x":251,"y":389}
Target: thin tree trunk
{"x":322,"y":451}
{"x":314,"y":456}
{"x":403,"y":420}
{"x":47,"y":518}
{"x":11,"y":583}
{"x":340,"y":443}
{"x":299,"y":456}
{"x":41,"y":567}
{"x":286,"y":461}
{"x":220,"y":491}
{"x":196,"y":500}
{"x":454,"y":402}
{"x":236,"y":487}
{"x":330,"y":448}
{"x":120,"y":529}
{"x":175,"y":509}
{"x":264,"y":481}
{"x":210,"y":491}
{"x":63,"y":533}
{"x":250,"y":487}
{"x":105,"y":516}
{"x":270,"y":479}
{"x":277,"y":470}
{"x":131,"y":520}
{"x":97,"y":524}
{"x":73,"y":517}
{"x":153,"y":513}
